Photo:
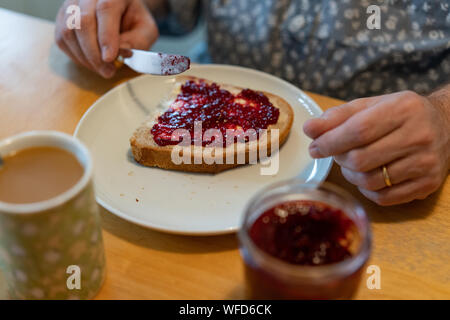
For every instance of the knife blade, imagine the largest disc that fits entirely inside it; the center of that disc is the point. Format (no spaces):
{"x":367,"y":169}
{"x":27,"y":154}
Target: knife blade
{"x":157,"y":63}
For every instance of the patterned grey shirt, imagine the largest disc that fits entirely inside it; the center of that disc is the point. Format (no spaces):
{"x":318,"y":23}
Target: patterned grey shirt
{"x":326,"y":46}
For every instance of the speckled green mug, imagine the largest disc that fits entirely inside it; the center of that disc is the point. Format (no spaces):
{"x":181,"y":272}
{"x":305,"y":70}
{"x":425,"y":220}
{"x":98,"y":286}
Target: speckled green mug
{"x":52,"y":249}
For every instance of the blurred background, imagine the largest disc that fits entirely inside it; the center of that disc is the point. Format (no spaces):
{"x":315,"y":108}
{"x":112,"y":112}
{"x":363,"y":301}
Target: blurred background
{"x":192,"y":45}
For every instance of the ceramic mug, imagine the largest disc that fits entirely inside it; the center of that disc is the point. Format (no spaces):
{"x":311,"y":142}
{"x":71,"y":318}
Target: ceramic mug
{"x":52,"y":249}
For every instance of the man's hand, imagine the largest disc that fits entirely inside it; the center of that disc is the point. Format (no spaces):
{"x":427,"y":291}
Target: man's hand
{"x":404,"y":131}
{"x":106,"y":26}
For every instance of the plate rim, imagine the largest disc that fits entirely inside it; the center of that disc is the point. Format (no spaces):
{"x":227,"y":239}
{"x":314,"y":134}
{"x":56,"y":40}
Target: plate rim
{"x":327,"y":162}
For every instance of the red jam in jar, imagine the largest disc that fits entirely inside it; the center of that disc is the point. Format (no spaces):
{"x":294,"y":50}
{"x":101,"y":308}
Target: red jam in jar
{"x":304,"y":233}
{"x":215,"y":108}
{"x":302,"y":249}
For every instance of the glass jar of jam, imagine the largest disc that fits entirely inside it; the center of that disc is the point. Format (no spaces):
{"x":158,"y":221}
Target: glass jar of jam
{"x":304,"y":241}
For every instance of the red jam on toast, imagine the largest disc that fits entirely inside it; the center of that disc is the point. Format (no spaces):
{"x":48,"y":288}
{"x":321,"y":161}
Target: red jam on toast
{"x":216,"y":108}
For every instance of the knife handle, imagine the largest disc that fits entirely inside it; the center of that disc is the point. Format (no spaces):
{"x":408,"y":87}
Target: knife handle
{"x":123,"y":53}
{"x":118,"y":63}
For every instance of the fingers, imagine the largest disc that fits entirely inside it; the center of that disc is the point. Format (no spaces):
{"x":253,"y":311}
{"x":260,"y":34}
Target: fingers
{"x":333,"y":117}
{"x":66,"y":39}
{"x":98,"y":43}
{"x":81,"y":45}
{"x":359,"y":130}
{"x":109,"y":14}
{"x":402,"y":193}
{"x":139,"y":29}
{"x":385,"y":150}
{"x":68,"y":43}
{"x":87,"y":39}
{"x":402,"y":130}
{"x":141,"y":37}
{"x":125,"y":52}
{"x":138,"y":39}
{"x":411,"y":138}
{"x":404,"y":169}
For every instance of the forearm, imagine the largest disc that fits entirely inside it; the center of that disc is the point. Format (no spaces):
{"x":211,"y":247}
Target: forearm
{"x":441,"y":100}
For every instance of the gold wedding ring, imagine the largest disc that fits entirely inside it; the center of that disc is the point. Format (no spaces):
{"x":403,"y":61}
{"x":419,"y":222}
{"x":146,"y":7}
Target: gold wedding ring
{"x":387,"y":180}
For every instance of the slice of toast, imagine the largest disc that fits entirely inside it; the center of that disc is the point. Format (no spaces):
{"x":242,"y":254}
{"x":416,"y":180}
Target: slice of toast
{"x":148,"y":153}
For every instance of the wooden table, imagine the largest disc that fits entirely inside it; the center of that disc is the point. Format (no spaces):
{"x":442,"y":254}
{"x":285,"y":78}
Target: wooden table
{"x":41,"y":89}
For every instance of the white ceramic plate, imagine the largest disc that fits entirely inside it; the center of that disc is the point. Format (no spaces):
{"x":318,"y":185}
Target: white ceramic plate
{"x":177,"y":202}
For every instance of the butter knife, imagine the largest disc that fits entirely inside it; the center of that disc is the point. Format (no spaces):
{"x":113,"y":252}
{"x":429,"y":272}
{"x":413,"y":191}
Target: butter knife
{"x":155,"y":63}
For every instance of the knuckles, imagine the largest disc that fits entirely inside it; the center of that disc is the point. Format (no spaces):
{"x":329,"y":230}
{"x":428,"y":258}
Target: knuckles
{"x":426,"y":136}
{"x":64,"y":35}
{"x":428,"y":162}
{"x":364,"y":180}
{"x":88,"y":19}
{"x":105,"y":5}
{"x":421,"y":122}
{"x":367,"y":182}
{"x":356,"y":161}
{"x":411,"y":103}
{"x":62,"y":32}
{"x":412,"y":99}
{"x":363,"y":131}
{"x":431,"y":184}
